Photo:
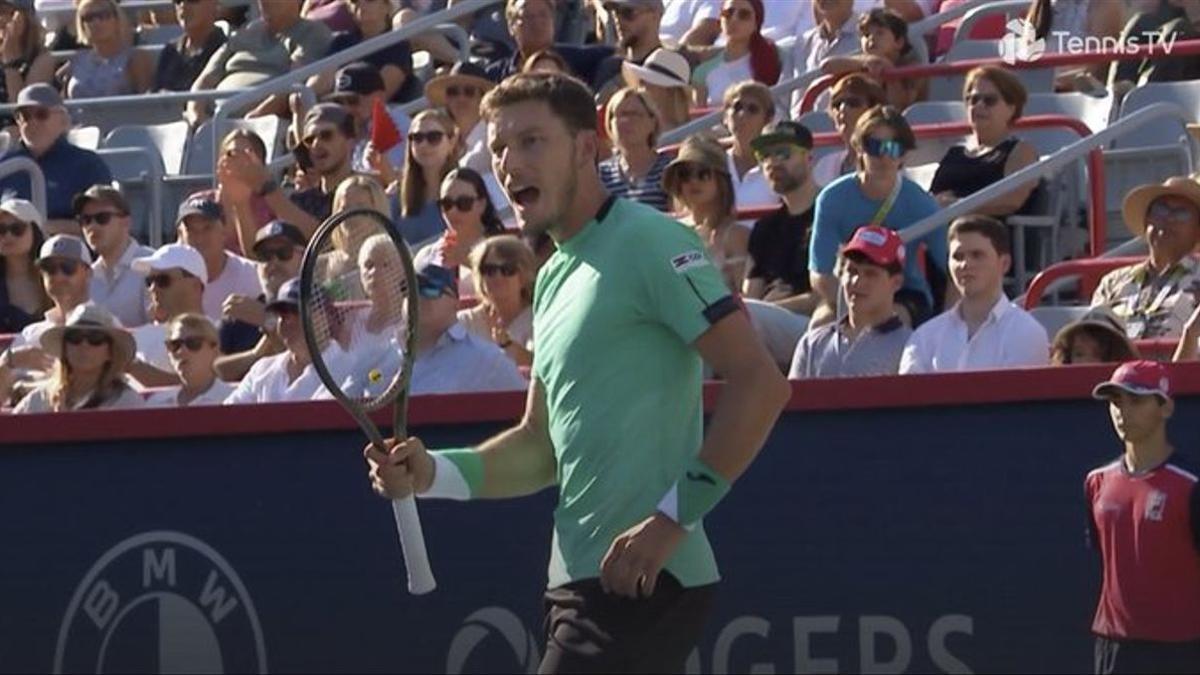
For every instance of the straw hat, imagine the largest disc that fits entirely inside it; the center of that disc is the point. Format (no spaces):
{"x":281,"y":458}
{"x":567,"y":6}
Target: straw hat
{"x":1099,"y":318}
{"x":1139,"y":199}
{"x":700,"y":150}
{"x":461,"y":73}
{"x":93,"y":317}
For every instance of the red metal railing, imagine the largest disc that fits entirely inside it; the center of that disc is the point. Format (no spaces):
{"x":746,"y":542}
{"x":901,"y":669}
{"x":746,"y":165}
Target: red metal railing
{"x":1089,"y":271}
{"x":1180,"y":48}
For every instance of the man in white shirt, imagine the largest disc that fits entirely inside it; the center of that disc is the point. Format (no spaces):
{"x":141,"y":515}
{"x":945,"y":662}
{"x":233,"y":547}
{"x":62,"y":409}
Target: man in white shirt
{"x":201,"y":225}
{"x":288,"y":376}
{"x":985,"y":330}
{"x":695,"y":23}
{"x":103,"y":214}
{"x":175,"y":276}
{"x":191,"y":341}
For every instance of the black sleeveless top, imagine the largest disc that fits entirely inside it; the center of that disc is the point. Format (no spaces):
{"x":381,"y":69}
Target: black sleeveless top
{"x":964,"y":175}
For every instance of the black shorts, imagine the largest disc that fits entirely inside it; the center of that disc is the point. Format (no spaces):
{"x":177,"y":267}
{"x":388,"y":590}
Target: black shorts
{"x":1140,"y":656}
{"x":590,"y":631}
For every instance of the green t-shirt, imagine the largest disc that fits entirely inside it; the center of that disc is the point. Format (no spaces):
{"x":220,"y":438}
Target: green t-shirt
{"x":616,"y":310}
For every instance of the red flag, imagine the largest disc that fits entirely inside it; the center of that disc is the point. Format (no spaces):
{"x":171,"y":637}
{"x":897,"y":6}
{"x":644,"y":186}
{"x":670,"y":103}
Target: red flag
{"x":384,"y":134}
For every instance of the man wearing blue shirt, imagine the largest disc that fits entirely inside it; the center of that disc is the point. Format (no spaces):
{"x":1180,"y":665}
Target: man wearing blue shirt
{"x":69,"y":170}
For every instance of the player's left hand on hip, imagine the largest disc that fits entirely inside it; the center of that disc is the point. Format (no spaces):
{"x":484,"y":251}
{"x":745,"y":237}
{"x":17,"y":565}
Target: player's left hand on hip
{"x":636,"y":556}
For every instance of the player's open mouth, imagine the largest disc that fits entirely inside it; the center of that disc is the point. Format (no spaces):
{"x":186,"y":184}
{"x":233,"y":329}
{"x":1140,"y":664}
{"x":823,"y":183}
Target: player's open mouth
{"x":525,"y":197}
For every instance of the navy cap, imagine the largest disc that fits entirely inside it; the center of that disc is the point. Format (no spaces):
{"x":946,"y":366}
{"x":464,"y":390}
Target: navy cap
{"x":326,"y":113}
{"x":434,"y":277}
{"x":357,"y":78}
{"x":785,"y":131}
{"x":201,"y":204}
{"x":288,"y":294}
{"x":39,"y":95}
{"x":278,"y":228}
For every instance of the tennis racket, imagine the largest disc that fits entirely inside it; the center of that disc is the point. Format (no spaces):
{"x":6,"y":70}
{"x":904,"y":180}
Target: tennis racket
{"x":358,"y":306}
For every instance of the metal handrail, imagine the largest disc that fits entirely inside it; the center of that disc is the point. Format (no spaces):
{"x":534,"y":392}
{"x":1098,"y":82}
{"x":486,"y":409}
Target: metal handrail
{"x":37,"y":179}
{"x":135,"y":6}
{"x":1044,"y":169}
{"x":140,"y":99}
{"x":782,"y":89}
{"x":284,"y":82}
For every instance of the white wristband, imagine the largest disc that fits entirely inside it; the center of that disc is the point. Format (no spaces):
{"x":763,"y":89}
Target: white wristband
{"x":669,"y":507}
{"x":448,"y":481}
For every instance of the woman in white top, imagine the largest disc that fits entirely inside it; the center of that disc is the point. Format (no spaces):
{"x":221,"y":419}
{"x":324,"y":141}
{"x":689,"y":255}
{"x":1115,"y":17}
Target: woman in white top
{"x":747,"y":55}
{"x":192,"y":347}
{"x":698,"y":180}
{"x":506,"y":269}
{"x":93,"y":354}
{"x":748,"y":109}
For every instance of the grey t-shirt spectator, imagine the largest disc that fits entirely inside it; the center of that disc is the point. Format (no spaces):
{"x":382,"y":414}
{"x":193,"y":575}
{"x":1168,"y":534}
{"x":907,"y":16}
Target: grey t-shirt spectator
{"x":254,"y":54}
{"x":829,"y":352}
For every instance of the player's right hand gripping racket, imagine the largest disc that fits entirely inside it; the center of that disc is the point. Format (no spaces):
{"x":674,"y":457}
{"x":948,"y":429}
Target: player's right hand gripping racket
{"x":358,"y":306}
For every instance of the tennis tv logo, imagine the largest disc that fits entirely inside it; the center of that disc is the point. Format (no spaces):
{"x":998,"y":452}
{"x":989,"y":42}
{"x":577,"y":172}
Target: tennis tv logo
{"x":1021,"y":43}
{"x":161,"y":602}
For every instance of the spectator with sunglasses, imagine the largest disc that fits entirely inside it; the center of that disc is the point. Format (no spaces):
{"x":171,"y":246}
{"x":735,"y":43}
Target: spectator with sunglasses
{"x":506,"y":271}
{"x":64,"y":265}
{"x":433,"y":145}
{"x":92,"y":353}
{"x":1156,"y":297}
{"x":279,"y":250}
{"x":289,"y":375}
{"x":201,"y":225}
{"x":176,"y":277}
{"x":749,"y":107}
{"x":698,"y":181}
{"x":884,"y":41}
{"x":111,"y":65}
{"x":69,"y":170}
{"x":103,"y":214}
{"x":22,"y":298}
{"x":470,"y":218}
{"x":849,"y":98}
{"x":191,"y":342}
{"x":181,"y":61}
{"x":394,"y":64}
{"x":878,"y":194}
{"x":747,"y":55}
{"x":637,"y":23}
{"x":459,"y":92}
{"x":994,"y":99}
{"x":635,"y":170}
{"x":778,"y":246}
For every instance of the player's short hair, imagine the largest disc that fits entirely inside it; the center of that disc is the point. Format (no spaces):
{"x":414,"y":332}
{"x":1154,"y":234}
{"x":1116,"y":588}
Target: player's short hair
{"x":986,"y":226}
{"x":568,"y":98}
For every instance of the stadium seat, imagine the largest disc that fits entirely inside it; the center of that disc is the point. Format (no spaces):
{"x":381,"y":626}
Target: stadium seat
{"x":84,"y":137}
{"x":1054,"y":317}
{"x":139,"y":171}
{"x":949,"y":87}
{"x":198,"y":159}
{"x":1008,"y":9}
{"x":931,"y":150}
{"x":1095,"y":111}
{"x":168,"y":140}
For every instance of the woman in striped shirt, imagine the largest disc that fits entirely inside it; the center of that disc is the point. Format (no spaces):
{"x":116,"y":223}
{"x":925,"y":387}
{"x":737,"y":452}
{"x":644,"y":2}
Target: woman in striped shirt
{"x":636,"y":168}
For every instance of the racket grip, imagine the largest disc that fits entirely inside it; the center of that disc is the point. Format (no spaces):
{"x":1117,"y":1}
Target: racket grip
{"x":412,"y":543}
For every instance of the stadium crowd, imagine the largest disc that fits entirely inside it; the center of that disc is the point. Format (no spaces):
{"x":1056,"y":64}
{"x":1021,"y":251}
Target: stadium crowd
{"x":99,"y":319}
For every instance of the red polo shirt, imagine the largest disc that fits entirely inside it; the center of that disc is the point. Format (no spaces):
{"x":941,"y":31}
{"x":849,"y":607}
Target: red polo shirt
{"x":1147,"y":527}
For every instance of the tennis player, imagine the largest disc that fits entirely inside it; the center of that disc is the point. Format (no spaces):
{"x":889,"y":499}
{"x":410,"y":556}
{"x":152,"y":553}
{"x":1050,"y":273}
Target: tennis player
{"x":1145,"y":519}
{"x":624,"y":313}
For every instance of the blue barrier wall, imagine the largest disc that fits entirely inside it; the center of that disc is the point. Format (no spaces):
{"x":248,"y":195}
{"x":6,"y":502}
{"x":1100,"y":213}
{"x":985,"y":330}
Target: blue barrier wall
{"x":890,"y":538}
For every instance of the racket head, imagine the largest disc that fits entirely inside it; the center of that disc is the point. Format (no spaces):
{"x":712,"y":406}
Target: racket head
{"x":359,"y":309}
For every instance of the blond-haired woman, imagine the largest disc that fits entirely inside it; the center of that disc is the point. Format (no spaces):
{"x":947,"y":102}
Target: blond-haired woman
{"x":636,"y":168}
{"x":504,"y":269}
{"x":93,"y":354}
{"x":354,"y":192}
{"x":111,"y":66}
{"x":433,"y":149}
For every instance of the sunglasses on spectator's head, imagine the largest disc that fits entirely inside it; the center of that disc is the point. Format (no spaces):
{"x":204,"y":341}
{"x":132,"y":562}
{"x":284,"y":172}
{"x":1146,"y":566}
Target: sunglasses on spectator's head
{"x":16,"y":229}
{"x":497,"y":269}
{"x":741,"y":13}
{"x":622,"y":12}
{"x":748,"y":107}
{"x":64,"y":267}
{"x":192,"y":342}
{"x":431,"y":137}
{"x":1160,"y":210}
{"x":880,"y":148}
{"x":847,"y":101}
{"x":464,"y":203}
{"x":94,"y":338}
{"x":456,"y":90}
{"x":101,"y":218}
{"x":98,"y":15}
{"x":324,"y":135}
{"x":988,"y":100}
{"x":39,"y":113}
{"x":687,"y":173}
{"x":781,"y":151}
{"x":280,"y":253}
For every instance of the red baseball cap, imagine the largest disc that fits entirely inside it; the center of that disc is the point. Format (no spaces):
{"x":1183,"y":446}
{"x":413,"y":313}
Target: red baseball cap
{"x":1142,"y":378}
{"x":880,"y":245}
